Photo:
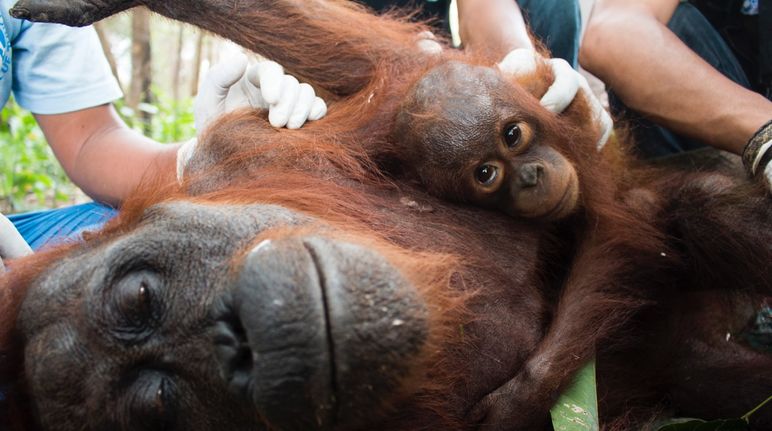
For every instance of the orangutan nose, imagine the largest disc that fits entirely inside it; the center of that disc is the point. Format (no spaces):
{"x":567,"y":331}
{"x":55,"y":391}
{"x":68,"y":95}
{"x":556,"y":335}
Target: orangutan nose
{"x":530,"y":174}
{"x":271,"y":339}
{"x":315,"y":333}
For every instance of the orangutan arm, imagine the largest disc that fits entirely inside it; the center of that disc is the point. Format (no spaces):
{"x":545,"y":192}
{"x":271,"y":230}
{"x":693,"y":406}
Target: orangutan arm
{"x":330,"y":44}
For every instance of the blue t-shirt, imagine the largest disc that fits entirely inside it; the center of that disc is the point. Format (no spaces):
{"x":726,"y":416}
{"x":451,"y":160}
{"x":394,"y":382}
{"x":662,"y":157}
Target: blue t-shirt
{"x":51,"y":68}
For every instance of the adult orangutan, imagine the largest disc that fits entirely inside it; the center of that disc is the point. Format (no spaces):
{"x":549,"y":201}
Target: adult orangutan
{"x":298,"y":279}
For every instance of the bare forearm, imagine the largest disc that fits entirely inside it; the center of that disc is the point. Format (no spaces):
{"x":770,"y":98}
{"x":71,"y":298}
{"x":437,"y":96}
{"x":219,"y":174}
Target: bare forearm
{"x":110,"y":168}
{"x":494,"y":27}
{"x":106,"y":159}
{"x":653,"y":72}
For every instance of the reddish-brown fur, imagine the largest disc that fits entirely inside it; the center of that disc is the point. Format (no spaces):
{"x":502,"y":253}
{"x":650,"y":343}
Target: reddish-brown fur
{"x":366,"y":65}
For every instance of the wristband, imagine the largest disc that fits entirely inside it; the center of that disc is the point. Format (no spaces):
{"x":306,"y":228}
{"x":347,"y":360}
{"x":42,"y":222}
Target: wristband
{"x":757,"y":154}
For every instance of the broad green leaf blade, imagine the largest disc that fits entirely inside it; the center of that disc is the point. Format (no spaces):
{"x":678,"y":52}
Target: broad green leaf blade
{"x":577,"y":408}
{"x":700,"y":425}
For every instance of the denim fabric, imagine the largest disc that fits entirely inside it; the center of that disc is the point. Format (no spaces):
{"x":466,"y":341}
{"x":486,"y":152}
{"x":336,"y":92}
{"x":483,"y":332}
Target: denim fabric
{"x":51,"y":227}
{"x":557,"y":23}
{"x":700,"y":36}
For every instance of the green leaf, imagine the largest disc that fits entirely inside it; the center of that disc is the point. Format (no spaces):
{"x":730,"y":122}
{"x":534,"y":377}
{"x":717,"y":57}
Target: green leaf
{"x":701,"y":425}
{"x":577,"y":408}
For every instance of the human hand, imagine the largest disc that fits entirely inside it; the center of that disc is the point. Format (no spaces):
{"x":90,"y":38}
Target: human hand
{"x":757,"y":155}
{"x":427,"y":42}
{"x":231,"y":84}
{"x":568,"y":82}
{"x":12,"y":245}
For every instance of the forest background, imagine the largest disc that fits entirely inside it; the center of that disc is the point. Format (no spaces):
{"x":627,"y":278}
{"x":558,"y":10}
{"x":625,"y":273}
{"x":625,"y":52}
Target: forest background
{"x":158,"y":64}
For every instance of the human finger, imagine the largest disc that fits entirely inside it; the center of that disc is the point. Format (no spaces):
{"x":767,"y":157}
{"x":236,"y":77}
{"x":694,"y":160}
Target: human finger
{"x":279,"y":113}
{"x":302,"y":107}
{"x":270,"y":76}
{"x":564,"y":88}
{"x":318,"y":109}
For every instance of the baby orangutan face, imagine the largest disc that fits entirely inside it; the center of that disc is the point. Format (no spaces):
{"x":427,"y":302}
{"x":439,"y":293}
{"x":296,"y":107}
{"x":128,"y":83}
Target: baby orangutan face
{"x":473,"y":136}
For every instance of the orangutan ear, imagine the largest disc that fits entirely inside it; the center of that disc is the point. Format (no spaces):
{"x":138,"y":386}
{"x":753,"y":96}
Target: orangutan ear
{"x":75,"y":13}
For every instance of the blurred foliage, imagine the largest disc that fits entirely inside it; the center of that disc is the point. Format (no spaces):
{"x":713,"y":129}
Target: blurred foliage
{"x":30,"y":176}
{"x":165,"y":120}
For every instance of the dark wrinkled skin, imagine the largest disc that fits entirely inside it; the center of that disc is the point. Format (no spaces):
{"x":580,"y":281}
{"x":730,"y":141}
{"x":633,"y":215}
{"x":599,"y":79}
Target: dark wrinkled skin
{"x":90,"y":362}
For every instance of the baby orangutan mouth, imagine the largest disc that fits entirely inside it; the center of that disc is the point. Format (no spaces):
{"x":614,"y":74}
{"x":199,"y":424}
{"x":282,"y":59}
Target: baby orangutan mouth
{"x":546,"y":189}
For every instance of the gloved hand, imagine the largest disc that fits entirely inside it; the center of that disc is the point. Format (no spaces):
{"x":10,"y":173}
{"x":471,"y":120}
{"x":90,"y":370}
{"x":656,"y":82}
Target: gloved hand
{"x":568,"y":82}
{"x":231,"y":85}
{"x":427,"y":42}
{"x":12,"y":245}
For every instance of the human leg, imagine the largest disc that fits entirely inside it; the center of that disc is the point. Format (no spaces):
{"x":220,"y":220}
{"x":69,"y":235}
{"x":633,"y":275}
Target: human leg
{"x":655,"y":74}
{"x":50,"y":227}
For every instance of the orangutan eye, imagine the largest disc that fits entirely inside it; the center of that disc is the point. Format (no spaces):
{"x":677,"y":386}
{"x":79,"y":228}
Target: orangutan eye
{"x":512,"y":135}
{"x":486,"y":174}
{"x":136,"y":302}
{"x":144,"y":297}
{"x":152,"y":403}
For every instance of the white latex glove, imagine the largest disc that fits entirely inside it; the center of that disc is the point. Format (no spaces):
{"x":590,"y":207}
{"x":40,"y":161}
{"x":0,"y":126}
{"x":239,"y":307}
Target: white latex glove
{"x":231,"y":85}
{"x":12,"y":245}
{"x":562,"y":92}
{"x":427,"y":42}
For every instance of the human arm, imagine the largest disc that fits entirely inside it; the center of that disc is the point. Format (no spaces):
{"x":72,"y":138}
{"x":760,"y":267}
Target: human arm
{"x":102,"y":155}
{"x":495,"y":27}
{"x":628,"y":45}
{"x":108,"y":160}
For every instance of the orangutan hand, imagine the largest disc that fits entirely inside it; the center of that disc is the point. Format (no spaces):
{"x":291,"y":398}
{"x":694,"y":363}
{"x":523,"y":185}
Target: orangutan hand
{"x":568,"y":82}
{"x":513,"y":406}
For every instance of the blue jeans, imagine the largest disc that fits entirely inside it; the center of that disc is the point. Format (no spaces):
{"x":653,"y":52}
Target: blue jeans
{"x":701,"y":37}
{"x":557,"y":23}
{"x":51,"y":227}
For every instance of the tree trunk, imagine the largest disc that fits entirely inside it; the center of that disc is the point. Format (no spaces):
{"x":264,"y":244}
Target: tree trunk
{"x":197,"y":63}
{"x":177,"y":69}
{"x":107,"y":49}
{"x":141,"y":71}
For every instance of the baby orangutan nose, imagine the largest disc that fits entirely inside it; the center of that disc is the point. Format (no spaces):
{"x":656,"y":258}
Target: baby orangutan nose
{"x":306,"y":332}
{"x":530,"y":174}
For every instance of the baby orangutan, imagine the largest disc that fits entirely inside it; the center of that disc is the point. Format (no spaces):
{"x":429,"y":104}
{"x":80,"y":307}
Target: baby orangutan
{"x":474,"y":135}
{"x":471,"y":138}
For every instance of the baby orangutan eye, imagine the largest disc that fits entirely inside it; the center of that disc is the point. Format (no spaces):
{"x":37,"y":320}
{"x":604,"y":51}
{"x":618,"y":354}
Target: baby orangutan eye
{"x":487,"y":174}
{"x":512,"y":135}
